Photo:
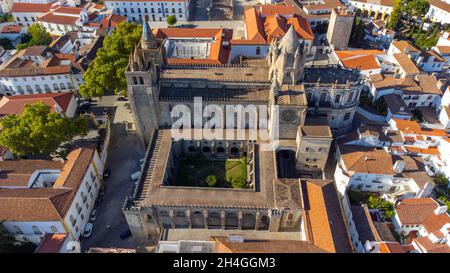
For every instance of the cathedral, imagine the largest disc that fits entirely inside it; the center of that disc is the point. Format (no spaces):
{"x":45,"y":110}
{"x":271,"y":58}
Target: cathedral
{"x":312,"y":104}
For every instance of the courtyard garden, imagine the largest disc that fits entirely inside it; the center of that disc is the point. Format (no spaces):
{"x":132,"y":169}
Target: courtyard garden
{"x":199,"y":171}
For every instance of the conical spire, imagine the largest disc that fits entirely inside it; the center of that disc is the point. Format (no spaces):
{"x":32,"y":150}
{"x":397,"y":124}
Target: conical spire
{"x":147,"y":34}
{"x":289,"y":43}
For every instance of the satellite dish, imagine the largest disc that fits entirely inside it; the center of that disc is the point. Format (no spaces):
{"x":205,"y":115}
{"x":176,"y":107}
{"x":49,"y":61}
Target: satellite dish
{"x":73,"y":247}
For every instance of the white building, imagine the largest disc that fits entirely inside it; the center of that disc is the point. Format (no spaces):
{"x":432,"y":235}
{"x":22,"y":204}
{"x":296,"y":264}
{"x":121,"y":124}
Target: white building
{"x":439,"y":11}
{"x":362,"y":168}
{"x":49,"y":196}
{"x":266,"y":23}
{"x":26,"y":14}
{"x":427,"y":221}
{"x":150,"y":10}
{"x":37,"y":70}
{"x":374,"y":9}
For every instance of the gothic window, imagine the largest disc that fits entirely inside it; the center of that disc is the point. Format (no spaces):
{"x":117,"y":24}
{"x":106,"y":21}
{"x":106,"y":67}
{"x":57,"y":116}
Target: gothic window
{"x":350,"y":97}
{"x":323,"y":98}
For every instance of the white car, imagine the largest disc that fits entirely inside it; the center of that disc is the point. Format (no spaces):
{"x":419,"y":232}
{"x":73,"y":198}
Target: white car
{"x":93,"y":215}
{"x":88,"y":230}
{"x":135,"y":176}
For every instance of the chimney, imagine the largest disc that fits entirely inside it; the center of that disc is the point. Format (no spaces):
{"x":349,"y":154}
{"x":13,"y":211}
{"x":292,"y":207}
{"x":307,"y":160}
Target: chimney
{"x":440,"y":210}
{"x":399,"y":166}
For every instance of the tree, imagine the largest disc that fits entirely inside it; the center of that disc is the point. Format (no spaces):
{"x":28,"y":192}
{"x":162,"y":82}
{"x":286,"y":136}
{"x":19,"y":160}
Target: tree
{"x":107,"y":72}
{"x":357,"y":31}
{"x":37,"y":131}
{"x":379,"y":203}
{"x":396,"y":14}
{"x":416,"y":8}
{"x":38,"y":36}
{"x":211,"y":180}
{"x":171,"y":20}
{"x":441,"y":180}
{"x":239,"y":183}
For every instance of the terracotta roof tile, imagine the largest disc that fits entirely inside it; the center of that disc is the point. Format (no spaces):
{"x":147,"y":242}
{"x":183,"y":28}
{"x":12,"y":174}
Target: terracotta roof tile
{"x":425,"y":245}
{"x":51,"y":243}
{"x":324,"y":217}
{"x":359,"y":59}
{"x":30,"y":7}
{"x":366,"y":160}
{"x":408,"y":66}
{"x":223,"y":245}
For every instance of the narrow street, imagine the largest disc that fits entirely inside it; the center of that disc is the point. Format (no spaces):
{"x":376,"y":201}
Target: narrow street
{"x":123,"y":156}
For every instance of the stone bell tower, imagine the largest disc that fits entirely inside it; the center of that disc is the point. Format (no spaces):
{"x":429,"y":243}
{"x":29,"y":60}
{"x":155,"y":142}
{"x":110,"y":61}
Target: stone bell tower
{"x":286,"y":59}
{"x":142,"y":88}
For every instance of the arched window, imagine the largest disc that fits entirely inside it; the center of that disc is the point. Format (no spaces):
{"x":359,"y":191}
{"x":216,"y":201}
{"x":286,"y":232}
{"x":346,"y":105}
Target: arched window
{"x":290,"y":217}
{"x":62,"y":85}
{"x":337,"y":98}
{"x":17,"y":230}
{"x":350,"y":97}
{"x":36,"y":230}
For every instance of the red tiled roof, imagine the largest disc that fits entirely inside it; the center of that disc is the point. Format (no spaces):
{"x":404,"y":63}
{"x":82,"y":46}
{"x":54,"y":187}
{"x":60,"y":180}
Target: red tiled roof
{"x":51,"y":243}
{"x":426,"y":246}
{"x":29,"y":7}
{"x":324,"y":217}
{"x":12,"y":29}
{"x":359,"y":59}
{"x":15,"y":104}
{"x":112,"y":20}
{"x":267,"y":22}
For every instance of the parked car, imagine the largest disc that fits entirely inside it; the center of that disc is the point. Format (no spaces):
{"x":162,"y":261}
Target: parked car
{"x":88,"y":230}
{"x":135,"y":176}
{"x":93,"y":215}
{"x":85,"y":104}
{"x":125,"y":234}
{"x":122,"y":98}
